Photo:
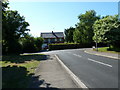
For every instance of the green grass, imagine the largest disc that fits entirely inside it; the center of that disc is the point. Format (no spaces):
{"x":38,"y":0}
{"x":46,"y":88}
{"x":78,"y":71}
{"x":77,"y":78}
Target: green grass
{"x":107,"y":49}
{"x":17,"y":70}
{"x":30,"y":65}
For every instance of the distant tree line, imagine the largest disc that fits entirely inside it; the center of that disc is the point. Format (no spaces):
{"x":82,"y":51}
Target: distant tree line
{"x":93,"y":29}
{"x":15,"y":35}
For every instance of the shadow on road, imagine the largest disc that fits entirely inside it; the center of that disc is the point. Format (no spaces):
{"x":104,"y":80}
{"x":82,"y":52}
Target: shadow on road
{"x":40,"y":83}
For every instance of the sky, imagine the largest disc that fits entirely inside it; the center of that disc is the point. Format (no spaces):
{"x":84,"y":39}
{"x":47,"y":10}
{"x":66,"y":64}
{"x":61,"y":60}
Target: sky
{"x":58,"y":16}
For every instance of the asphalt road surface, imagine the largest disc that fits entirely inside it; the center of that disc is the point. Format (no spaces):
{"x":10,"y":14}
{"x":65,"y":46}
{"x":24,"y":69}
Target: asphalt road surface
{"x":94,"y":71}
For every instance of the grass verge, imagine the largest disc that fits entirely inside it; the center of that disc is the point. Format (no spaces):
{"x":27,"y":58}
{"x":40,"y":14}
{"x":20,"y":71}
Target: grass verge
{"x":18,"y":70}
{"x":107,"y":49}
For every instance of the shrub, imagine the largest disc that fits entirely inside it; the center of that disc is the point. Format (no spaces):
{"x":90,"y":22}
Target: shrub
{"x":68,"y":46}
{"x":38,"y":43}
{"x":13,"y":47}
{"x":31,"y":44}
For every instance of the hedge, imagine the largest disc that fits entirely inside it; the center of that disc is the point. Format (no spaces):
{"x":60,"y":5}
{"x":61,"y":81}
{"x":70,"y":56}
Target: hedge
{"x":68,"y":46}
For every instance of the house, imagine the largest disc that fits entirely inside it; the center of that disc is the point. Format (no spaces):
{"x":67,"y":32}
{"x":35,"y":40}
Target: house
{"x":52,"y":37}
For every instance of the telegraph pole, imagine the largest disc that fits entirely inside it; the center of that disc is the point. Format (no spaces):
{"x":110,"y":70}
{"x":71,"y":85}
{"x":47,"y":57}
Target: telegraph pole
{"x":96,"y":43}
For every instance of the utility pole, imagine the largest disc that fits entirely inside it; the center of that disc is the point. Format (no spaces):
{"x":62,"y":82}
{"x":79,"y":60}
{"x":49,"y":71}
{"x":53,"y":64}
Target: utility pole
{"x":119,"y":10}
{"x":96,"y":43}
{"x":96,"y":46}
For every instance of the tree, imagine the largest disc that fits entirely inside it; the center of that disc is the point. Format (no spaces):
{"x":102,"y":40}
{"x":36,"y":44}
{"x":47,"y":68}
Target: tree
{"x":31,"y":44}
{"x":69,"y":34}
{"x":27,"y":43}
{"x":85,"y":26}
{"x":76,"y":36}
{"x":107,"y":30}
{"x":38,"y":43}
{"x":13,"y":27}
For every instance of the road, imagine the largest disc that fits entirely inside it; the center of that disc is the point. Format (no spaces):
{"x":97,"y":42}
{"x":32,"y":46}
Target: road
{"x":94,"y":71}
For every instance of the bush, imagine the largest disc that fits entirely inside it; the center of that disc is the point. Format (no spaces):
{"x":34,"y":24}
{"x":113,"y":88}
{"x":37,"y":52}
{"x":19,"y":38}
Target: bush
{"x":28,"y":47}
{"x":38,"y":43}
{"x":13,"y":47}
{"x":31,"y":44}
{"x":68,"y":46}
{"x":113,"y":48}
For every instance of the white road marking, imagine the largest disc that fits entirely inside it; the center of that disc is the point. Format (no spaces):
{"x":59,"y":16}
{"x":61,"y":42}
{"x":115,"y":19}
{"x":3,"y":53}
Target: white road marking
{"x":100,"y":62}
{"x":77,"y":55}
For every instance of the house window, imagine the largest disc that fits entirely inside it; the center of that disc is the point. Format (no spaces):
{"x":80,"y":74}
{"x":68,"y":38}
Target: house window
{"x":60,"y":39}
{"x":55,"y":39}
{"x":49,"y":40}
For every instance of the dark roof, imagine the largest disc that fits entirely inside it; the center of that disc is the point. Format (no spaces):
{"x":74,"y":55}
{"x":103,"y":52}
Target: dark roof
{"x":51,"y":35}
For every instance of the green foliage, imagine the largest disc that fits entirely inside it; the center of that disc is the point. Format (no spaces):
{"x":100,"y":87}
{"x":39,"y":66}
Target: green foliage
{"x":69,"y":34}
{"x":76,"y":36}
{"x":109,"y":50}
{"x":31,"y":44}
{"x":84,"y":31}
{"x":67,"y":46}
{"x":28,"y":44}
{"x":18,"y":70}
{"x":38,"y":43}
{"x":107,"y":30}
{"x":13,"y":27}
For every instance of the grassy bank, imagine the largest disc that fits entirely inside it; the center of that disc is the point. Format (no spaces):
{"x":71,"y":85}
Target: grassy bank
{"x":18,"y":70}
{"x":109,"y":50}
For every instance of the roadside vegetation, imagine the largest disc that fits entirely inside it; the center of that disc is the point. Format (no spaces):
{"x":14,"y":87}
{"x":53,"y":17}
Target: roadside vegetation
{"x":93,"y":30}
{"x":17,"y":68}
{"x":108,"y":49}
{"x":15,"y":33}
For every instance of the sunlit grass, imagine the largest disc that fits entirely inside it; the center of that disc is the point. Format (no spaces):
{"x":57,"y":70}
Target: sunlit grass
{"x":18,"y":69}
{"x":106,"y":49}
{"x":30,"y":65}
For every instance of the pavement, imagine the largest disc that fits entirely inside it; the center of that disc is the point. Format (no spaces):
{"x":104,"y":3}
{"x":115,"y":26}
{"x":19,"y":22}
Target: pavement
{"x":50,"y":74}
{"x":105,"y":54}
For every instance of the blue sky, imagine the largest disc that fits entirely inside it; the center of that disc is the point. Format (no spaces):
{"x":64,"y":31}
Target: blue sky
{"x":57,"y":16}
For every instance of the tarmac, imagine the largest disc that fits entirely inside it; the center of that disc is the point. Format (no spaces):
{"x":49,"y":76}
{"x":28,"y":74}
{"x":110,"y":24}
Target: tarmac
{"x":51,"y":74}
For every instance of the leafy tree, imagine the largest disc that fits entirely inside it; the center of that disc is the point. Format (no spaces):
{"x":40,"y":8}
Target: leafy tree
{"x":31,"y":44}
{"x":69,"y":34}
{"x":107,"y":30}
{"x":13,"y":27}
{"x":85,"y":26}
{"x":27,"y":43}
{"x":38,"y":43}
{"x":76,"y":36}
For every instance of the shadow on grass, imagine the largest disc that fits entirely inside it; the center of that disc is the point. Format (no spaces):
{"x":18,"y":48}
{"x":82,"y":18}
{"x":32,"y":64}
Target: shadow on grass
{"x":15,"y":77}
{"x":114,"y":49}
{"x":23,"y":58}
{"x":18,"y":77}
